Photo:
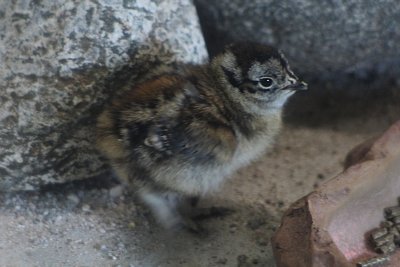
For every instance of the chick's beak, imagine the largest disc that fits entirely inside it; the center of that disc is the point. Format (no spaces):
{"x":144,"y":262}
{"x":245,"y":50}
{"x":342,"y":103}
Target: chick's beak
{"x":298,"y":86}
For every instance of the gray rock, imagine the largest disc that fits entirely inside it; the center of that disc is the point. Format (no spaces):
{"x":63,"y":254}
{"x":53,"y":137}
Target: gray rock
{"x":74,"y":199}
{"x":116,"y":191}
{"x":320,"y":38}
{"x":86,"y":208}
{"x":59,"y":59}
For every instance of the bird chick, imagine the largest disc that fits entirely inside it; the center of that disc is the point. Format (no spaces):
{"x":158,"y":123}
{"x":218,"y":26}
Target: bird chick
{"x":179,"y":135}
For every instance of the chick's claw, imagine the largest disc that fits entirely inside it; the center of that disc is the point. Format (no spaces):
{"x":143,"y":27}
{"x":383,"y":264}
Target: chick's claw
{"x":212,"y":212}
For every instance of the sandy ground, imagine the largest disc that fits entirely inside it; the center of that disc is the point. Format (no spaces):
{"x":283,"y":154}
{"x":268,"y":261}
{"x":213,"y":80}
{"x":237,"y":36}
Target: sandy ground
{"x":99,"y":223}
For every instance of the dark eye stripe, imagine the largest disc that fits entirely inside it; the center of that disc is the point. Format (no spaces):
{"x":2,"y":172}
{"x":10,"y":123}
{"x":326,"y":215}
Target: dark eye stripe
{"x":244,"y":86}
{"x":248,"y":88}
{"x":250,"y":81}
{"x":231,"y":77}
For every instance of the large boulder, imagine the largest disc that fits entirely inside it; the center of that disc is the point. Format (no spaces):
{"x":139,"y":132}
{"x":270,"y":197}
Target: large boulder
{"x":323,"y":39}
{"x":58,"y":60}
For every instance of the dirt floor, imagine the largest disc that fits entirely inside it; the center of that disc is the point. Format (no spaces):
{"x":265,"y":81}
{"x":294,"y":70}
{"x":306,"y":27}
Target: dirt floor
{"x":99,"y":223}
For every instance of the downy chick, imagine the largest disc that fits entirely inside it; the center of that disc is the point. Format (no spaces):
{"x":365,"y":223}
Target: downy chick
{"x":179,"y":135}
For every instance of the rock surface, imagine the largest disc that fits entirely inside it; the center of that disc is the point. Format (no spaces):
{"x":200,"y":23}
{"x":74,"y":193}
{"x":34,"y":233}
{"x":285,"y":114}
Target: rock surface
{"x":58,"y":59}
{"x":322,"y":39}
{"x":329,"y":226}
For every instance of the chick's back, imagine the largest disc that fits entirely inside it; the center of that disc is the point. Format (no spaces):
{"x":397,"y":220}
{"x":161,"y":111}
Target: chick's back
{"x":169,"y":133}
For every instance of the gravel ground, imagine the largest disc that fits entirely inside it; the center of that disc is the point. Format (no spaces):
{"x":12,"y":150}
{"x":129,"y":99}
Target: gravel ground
{"x":100,"y":223}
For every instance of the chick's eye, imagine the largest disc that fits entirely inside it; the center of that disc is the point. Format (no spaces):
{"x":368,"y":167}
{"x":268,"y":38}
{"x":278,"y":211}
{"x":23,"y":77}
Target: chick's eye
{"x":266,"y":82}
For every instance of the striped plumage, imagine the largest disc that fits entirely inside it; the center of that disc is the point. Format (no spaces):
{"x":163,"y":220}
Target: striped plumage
{"x":180,"y":134}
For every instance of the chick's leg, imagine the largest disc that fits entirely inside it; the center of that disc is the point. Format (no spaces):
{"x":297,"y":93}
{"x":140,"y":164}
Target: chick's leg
{"x":167,"y":209}
{"x":189,"y":207}
{"x":163,"y":207}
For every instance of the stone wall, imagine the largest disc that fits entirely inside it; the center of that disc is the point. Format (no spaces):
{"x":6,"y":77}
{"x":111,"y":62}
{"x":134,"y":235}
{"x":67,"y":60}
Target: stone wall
{"x":328,"y":40}
{"x":59,"y":61}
